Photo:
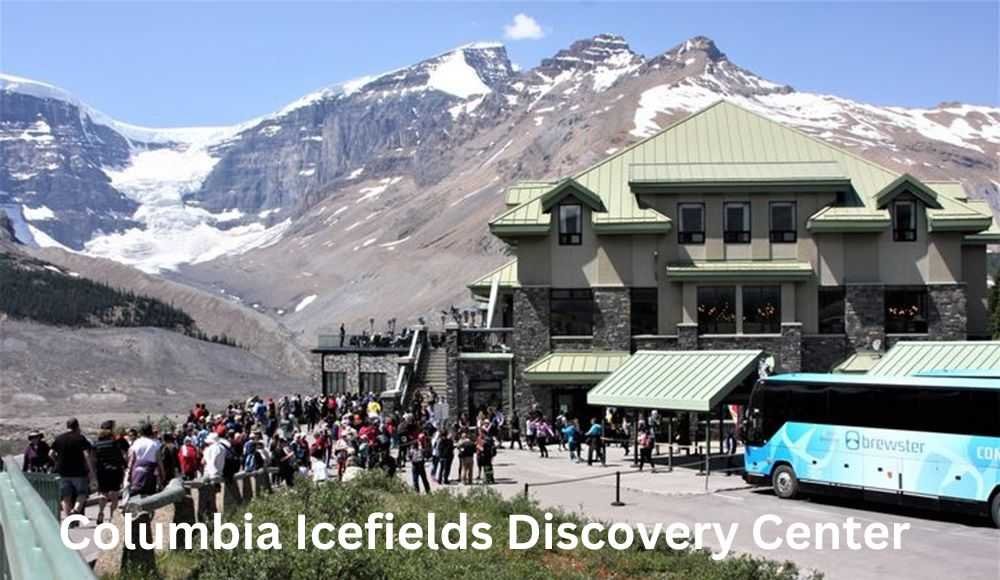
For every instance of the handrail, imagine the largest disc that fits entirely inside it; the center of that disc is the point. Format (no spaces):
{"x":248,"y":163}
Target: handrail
{"x":32,"y":546}
{"x":404,"y":377}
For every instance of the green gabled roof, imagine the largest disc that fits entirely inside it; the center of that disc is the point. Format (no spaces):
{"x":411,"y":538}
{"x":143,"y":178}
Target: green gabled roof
{"x":574,"y":367}
{"x":848,"y":219}
{"x":747,"y":177}
{"x":740,"y":269}
{"x":506,"y":276}
{"x":525,"y":191}
{"x":911,"y":356}
{"x":720,"y":134}
{"x":570,"y":188}
{"x":906,"y":183}
{"x":681,"y":380}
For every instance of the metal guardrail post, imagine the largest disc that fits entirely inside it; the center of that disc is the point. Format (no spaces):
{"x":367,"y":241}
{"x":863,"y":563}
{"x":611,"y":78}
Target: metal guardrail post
{"x":618,"y":490}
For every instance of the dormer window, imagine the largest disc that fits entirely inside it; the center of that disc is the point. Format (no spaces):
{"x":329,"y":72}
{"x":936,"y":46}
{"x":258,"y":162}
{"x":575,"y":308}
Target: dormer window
{"x":737,"y":222}
{"x":570,"y":225}
{"x":904,"y":221}
{"x":691,"y":229}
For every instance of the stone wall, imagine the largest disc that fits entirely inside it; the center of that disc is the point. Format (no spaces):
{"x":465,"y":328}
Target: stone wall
{"x":530,"y":340}
{"x":790,"y":351}
{"x":655,"y":342}
{"x":782,"y":348}
{"x":946,"y":316}
{"x":573,"y":343}
{"x":612,"y":319}
{"x":475,"y":370}
{"x":821,"y":352}
{"x":864,"y":315}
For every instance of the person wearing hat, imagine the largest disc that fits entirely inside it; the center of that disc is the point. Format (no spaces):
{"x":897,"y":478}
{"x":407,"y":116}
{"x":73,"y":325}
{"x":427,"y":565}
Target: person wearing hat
{"x":36,"y":454}
{"x":110,"y":462}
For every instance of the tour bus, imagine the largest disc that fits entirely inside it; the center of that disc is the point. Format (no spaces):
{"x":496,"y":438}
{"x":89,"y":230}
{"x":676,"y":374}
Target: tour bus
{"x":923,"y":439}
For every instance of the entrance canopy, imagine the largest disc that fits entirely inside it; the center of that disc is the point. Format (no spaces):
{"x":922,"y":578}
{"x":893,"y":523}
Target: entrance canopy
{"x":677,"y":380}
{"x":574,"y":367}
{"x":911,"y":357}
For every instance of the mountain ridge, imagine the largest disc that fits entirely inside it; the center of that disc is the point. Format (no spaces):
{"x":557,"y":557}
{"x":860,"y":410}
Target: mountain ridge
{"x":352,"y":194}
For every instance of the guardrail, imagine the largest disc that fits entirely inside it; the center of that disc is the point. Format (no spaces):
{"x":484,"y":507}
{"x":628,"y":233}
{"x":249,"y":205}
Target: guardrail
{"x":29,"y":533}
{"x":485,"y":340}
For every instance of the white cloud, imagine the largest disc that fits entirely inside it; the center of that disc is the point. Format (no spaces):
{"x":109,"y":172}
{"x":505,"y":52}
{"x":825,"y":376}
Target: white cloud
{"x":523,"y":27}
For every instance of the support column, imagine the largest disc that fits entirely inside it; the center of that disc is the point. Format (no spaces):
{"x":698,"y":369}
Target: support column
{"x":687,"y":336}
{"x":530,"y":340}
{"x":790,"y":354}
{"x":947,"y":317}
{"x":454,"y":391}
{"x":613,"y":319}
{"x":864,"y":315}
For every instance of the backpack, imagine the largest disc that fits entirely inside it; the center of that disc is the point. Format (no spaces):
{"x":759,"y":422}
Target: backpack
{"x":232,"y":462}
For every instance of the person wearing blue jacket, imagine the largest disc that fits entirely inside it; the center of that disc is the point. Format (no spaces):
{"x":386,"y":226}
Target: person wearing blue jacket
{"x":595,"y":442}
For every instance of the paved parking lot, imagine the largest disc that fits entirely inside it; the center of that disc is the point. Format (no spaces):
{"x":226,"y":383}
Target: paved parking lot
{"x":935,"y":546}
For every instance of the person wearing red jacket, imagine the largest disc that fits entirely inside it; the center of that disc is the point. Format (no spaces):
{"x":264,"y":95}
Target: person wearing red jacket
{"x":189,"y":458}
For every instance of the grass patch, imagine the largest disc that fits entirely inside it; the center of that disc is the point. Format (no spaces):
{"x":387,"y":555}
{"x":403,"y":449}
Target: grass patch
{"x":352,"y":502}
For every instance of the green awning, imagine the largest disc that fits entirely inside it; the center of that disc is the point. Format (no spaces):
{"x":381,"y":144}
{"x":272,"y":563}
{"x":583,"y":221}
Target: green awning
{"x":858,"y":363}
{"x":678,"y":380}
{"x":574,"y":367}
{"x":912,"y":356}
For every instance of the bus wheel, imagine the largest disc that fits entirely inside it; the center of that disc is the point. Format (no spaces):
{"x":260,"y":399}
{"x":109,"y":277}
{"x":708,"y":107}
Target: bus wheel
{"x":784,"y":482}
{"x":995,"y":509}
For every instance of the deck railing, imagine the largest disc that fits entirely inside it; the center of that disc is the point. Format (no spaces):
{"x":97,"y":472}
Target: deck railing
{"x":485,"y":340}
{"x":29,"y":533}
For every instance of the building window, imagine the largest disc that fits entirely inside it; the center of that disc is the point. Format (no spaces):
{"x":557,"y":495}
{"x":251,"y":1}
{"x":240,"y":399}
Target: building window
{"x":571,"y":313}
{"x":783,"y":230}
{"x":691,"y":229}
{"x":570,"y":225}
{"x":736,"y":218}
{"x":831,"y":310}
{"x":644,"y":311}
{"x":372,"y":382}
{"x":334,"y":382}
{"x":717,"y":310}
{"x":762,"y":309}
{"x":904,"y":221}
{"x":906,"y":310}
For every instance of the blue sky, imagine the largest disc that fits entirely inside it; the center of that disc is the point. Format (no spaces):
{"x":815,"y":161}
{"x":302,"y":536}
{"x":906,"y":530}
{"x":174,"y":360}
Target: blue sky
{"x":188,"y":63}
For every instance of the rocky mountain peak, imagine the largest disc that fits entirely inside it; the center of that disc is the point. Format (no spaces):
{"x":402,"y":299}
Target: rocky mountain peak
{"x":699,"y":44}
{"x":604,"y":50}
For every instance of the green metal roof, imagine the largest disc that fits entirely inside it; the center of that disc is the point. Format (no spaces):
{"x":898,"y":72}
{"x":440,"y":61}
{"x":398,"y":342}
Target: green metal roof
{"x":722,"y":135}
{"x":742,"y":269}
{"x":859,"y":362}
{"x":912,"y":356}
{"x":923,"y":382}
{"x":574,"y":367}
{"x":722,"y":177}
{"x":681,"y":380}
{"x":525,"y":191}
{"x":507,"y":275}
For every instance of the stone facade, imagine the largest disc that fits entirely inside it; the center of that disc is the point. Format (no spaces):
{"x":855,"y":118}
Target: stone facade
{"x":946,"y":316}
{"x":453,"y":389}
{"x":572,"y":343}
{"x":821,"y":352}
{"x":864,"y":315}
{"x":687,"y":336}
{"x":530,"y":340}
{"x":655,"y":342}
{"x":353,"y":364}
{"x":612,"y":319}
{"x":790,"y":351}
{"x":472,"y":371}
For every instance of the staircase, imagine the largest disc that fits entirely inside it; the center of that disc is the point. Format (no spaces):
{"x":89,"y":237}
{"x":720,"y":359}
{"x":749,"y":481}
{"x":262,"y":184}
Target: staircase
{"x":433,"y":374}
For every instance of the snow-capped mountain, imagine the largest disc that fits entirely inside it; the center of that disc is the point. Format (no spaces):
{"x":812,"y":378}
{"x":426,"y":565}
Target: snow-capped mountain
{"x":382,"y":186}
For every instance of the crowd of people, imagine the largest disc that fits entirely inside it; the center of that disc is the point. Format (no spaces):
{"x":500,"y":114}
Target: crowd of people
{"x":322,"y":438}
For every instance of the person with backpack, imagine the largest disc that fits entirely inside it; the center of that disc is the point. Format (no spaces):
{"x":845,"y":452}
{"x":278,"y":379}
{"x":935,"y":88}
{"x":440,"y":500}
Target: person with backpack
{"x":418,"y":456}
{"x":446,"y":454}
{"x":110,"y":463}
{"x":189,"y":458}
{"x":466,"y":451}
{"x":543,"y":434}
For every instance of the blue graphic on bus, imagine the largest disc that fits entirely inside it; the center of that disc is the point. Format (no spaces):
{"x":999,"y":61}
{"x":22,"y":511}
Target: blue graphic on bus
{"x":909,"y":462}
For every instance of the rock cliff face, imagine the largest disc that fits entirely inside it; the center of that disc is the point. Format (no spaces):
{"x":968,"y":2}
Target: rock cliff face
{"x":371,"y":197}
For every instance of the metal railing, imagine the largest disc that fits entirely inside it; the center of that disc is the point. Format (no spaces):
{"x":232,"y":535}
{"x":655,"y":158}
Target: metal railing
{"x":391,"y":343}
{"x":485,"y":340}
{"x":409,"y":371}
{"x":29,"y":533}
